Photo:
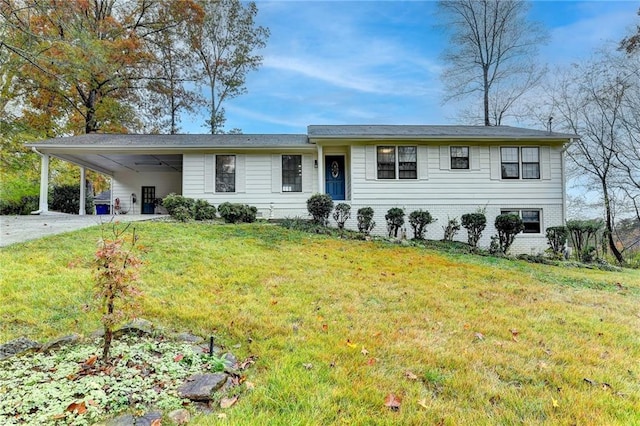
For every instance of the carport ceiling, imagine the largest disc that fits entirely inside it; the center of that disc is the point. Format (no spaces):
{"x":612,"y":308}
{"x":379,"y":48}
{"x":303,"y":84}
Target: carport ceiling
{"x":117,"y":163}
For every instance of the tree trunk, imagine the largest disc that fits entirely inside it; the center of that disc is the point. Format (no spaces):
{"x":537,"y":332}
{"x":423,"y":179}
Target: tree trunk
{"x":485,"y":76}
{"x":609,"y":224}
{"x":90,"y":125}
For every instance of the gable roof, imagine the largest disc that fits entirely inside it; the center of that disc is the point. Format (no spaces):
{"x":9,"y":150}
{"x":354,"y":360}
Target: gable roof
{"x":364,"y":132}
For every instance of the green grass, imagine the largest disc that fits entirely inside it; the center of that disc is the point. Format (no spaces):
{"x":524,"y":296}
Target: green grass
{"x":336,"y":325}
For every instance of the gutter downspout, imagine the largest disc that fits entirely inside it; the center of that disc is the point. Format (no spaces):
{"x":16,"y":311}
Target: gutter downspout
{"x":43,"y":206}
{"x":564,"y":181}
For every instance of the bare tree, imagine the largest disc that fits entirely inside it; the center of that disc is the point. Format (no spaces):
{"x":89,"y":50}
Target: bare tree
{"x":592,"y":99}
{"x":491,"y":52}
{"x":225,"y":45}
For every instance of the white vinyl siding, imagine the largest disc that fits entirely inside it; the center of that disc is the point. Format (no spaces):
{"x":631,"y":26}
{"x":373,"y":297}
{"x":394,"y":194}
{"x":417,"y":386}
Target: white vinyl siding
{"x":480,"y":184}
{"x":258,"y":183}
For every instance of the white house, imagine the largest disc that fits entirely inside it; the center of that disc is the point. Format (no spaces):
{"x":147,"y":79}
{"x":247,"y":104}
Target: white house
{"x":447,"y":170}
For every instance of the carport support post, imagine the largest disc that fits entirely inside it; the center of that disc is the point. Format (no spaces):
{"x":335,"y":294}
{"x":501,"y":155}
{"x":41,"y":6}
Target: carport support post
{"x":83,"y":191}
{"x":44,"y":183}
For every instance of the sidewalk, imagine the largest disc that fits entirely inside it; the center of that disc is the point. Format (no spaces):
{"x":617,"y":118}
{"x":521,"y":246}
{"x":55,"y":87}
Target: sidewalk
{"x":17,"y":229}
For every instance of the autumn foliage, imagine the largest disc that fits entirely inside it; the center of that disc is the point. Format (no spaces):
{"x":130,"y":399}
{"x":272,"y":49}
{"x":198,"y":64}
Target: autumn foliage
{"x":117,"y":271}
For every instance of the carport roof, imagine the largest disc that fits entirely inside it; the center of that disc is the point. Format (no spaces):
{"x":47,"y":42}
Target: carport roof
{"x":136,"y":141}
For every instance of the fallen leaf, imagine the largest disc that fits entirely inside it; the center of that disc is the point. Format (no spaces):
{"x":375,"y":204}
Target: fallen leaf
{"x":605,"y":386}
{"x":91,"y":360}
{"x":59,"y":416}
{"x":247,"y":362}
{"x":350,"y":344}
{"x":479,"y":336}
{"x":554,"y":403}
{"x":364,"y":351}
{"x":178,"y":358}
{"x":371,"y":361}
{"x":78,"y":407}
{"x":514,"y":334}
{"x":222,"y":415}
{"x":249,"y":385}
{"x":466,"y":326}
{"x":308,"y":366}
{"x":156,"y":422}
{"x":423,"y":403}
{"x":274,"y":302}
{"x":325,"y":328}
{"x":409,"y":375}
{"x":228,"y":402}
{"x":392,"y":402}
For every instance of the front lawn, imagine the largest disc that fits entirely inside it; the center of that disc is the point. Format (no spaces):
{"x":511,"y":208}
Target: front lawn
{"x":337,"y":326}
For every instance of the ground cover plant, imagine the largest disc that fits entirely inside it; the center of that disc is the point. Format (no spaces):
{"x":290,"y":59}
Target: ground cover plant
{"x":361,"y":332}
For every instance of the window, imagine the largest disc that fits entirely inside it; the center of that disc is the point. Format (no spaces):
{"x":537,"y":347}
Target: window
{"x":510,"y":163}
{"x":292,"y":173}
{"x":407,"y":162}
{"x":225,"y":173}
{"x":512,"y":157}
{"x":530,"y":219}
{"x":386,"y":162}
{"x":530,"y":163}
{"x":459,"y":157}
{"x":406,"y":165}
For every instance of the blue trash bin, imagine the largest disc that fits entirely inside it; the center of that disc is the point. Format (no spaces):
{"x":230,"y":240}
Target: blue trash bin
{"x":102,"y":209}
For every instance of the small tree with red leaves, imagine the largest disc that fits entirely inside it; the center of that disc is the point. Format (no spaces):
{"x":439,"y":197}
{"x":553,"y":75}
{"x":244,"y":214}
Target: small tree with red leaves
{"x":117,"y":272}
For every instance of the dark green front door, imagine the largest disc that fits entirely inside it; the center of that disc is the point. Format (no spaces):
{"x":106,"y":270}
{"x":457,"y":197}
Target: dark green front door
{"x":148,"y":199}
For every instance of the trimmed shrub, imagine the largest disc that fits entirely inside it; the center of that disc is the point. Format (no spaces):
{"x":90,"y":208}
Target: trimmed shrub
{"x":172,"y":201}
{"x":557,"y":240}
{"x":66,"y":199}
{"x":182,"y":214}
{"x":582,"y":232}
{"x":237,"y":213}
{"x":474,"y":223}
{"x":419,"y":219}
{"x":319,"y":207}
{"x":508,"y":226}
{"x":202,"y":210}
{"x":341,"y":214}
{"x":365,"y":220}
{"x":451,"y":229}
{"x":395,"y":220}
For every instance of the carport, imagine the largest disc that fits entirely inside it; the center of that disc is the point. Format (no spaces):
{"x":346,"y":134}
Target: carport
{"x":109,"y":154}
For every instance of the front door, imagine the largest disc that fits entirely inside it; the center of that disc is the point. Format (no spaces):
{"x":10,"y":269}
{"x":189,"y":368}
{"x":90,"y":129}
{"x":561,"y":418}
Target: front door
{"x":334,"y":175}
{"x":148,"y":199}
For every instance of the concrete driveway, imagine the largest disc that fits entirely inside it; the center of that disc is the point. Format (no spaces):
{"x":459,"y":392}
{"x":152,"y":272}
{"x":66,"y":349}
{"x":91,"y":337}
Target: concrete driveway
{"x":16,"y":229}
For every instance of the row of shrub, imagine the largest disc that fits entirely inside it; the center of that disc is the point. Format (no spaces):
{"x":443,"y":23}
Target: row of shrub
{"x":508,"y":226}
{"x":186,"y":209}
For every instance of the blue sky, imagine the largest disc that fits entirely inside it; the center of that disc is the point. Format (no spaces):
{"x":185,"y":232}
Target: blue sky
{"x":364,"y":62}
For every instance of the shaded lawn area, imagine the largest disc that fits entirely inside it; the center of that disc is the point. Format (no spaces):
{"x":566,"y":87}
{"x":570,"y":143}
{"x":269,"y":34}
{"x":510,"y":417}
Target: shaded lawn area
{"x":338,"y":325}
